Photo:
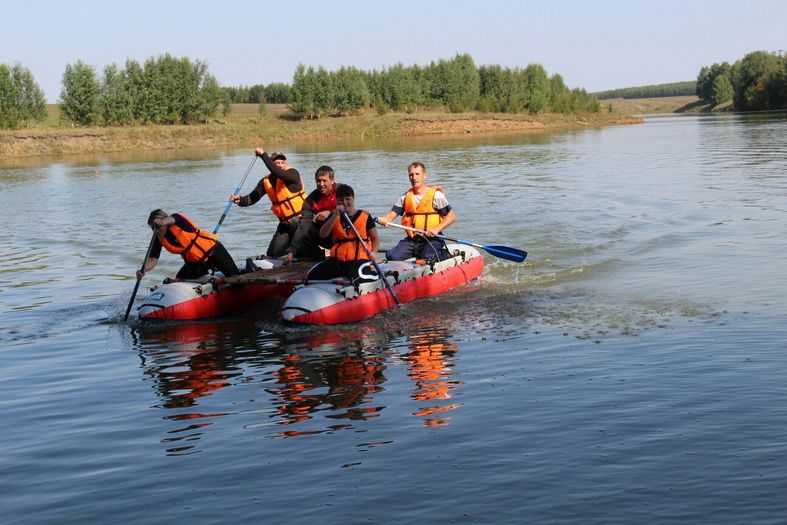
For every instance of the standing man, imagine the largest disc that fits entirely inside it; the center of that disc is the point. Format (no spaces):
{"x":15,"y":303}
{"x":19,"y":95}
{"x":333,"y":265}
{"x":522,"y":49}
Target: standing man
{"x":284,"y":188}
{"x":423,"y":207}
{"x":307,"y":244}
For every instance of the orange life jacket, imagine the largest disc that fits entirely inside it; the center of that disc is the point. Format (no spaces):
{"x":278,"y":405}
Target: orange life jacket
{"x":194,"y":246}
{"x":346,"y":246}
{"x":284,"y":204}
{"x":422,"y":216}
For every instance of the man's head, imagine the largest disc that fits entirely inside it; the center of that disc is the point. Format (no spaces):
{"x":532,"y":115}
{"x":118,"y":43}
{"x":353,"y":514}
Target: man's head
{"x":324,"y":179}
{"x":344,"y":190}
{"x":345,"y":196}
{"x":417,"y":174}
{"x":278,"y":158}
{"x":156,"y":214}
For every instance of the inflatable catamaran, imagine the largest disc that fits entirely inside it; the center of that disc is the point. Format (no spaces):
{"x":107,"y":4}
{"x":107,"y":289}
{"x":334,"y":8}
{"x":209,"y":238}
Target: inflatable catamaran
{"x":322,"y":302}
{"x":331,"y":303}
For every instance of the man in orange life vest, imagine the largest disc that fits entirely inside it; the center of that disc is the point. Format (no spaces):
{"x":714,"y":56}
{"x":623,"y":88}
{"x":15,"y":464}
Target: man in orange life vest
{"x":284,"y":187}
{"x":318,"y":206}
{"x":200,"y":250}
{"x":423,"y":207}
{"x":348,"y":257}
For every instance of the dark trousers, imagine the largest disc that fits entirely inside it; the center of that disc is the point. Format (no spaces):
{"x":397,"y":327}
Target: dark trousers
{"x":310,"y":243}
{"x":419,"y":247}
{"x":219,"y":260}
{"x":282,"y":238}
{"x":330,"y":268}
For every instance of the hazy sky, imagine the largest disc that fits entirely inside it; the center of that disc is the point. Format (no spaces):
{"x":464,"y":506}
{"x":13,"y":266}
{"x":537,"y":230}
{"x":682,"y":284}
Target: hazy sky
{"x":596,"y":45}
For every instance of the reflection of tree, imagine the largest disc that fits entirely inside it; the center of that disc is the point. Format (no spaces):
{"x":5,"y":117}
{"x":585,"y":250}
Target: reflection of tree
{"x":429,"y":365}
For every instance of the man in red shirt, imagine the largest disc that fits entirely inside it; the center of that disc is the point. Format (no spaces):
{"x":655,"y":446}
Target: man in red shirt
{"x":307,"y":244}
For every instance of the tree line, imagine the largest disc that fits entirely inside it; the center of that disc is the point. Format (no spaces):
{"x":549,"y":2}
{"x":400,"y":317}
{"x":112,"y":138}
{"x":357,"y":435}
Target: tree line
{"x":275,"y":93}
{"x":170,"y":90}
{"x":456,"y":84}
{"x":672,"y":89}
{"x":756,"y":82}
{"x":163,"y":90}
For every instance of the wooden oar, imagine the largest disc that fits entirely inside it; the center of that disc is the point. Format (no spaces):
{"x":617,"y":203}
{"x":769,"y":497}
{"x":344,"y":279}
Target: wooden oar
{"x":504,"y":252}
{"x":371,"y":259}
{"x":237,"y":190}
{"x":136,"y":286}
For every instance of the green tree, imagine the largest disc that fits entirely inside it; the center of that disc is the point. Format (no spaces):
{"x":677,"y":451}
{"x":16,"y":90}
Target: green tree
{"x":303,"y":91}
{"x":492,"y":88}
{"x":209,"y":96}
{"x":456,"y":83}
{"x":115,"y":97}
{"x":398,"y":87}
{"x":9,"y":113}
{"x":277,"y":93}
{"x":537,"y":84}
{"x":351,"y":92}
{"x":707,"y":77}
{"x":256,"y":94}
{"x":136,"y":89}
{"x":561,"y":100}
{"x":79,"y":95}
{"x":325,"y":93}
{"x":21,"y":99}
{"x":750,"y":79}
{"x":722,"y":90}
{"x":31,"y":100}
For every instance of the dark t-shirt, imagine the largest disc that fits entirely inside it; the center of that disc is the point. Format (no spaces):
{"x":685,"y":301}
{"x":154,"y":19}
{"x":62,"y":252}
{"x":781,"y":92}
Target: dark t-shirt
{"x":290,"y":177}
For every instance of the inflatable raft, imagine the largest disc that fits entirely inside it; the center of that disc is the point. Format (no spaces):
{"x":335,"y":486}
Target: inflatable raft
{"x":329,"y":303}
{"x":213,"y":296}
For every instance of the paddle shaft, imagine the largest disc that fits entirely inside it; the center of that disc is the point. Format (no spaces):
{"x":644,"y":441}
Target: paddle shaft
{"x":439,"y":235}
{"x":237,"y":190}
{"x":504,"y":252}
{"x":371,"y":259}
{"x":139,"y":279}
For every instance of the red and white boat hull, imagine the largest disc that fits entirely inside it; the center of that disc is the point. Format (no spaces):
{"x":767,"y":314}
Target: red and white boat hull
{"x":323,"y":303}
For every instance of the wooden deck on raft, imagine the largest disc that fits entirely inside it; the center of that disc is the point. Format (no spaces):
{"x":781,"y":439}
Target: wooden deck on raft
{"x":295,"y":272}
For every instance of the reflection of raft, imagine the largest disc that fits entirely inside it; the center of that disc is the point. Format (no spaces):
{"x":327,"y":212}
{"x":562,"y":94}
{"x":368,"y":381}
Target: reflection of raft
{"x":212,"y":296}
{"x":328,"y":303}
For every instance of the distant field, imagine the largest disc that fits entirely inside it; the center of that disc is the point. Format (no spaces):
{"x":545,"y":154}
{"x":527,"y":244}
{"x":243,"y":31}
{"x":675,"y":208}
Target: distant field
{"x":649,"y":105}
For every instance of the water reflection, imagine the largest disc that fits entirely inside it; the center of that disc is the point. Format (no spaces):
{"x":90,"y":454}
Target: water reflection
{"x":336,"y":372}
{"x":296,"y":383}
{"x":430,"y":360}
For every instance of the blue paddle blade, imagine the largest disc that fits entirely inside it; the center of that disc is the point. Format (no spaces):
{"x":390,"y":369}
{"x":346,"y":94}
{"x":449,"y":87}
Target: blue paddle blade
{"x":506,"y":252}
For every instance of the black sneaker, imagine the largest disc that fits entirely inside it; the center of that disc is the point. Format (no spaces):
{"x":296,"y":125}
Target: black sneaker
{"x":250,"y":266}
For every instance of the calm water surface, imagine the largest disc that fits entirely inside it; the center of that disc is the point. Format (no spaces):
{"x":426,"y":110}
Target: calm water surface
{"x":632,"y":370}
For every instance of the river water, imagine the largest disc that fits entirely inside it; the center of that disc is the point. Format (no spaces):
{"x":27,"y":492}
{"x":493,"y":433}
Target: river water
{"x":633,"y":369}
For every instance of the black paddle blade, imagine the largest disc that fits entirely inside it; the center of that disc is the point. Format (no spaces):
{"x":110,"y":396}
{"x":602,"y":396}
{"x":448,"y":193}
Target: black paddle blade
{"x":506,"y":252}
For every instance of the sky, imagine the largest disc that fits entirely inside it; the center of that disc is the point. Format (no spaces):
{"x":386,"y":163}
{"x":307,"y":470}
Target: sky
{"x":596,"y":45}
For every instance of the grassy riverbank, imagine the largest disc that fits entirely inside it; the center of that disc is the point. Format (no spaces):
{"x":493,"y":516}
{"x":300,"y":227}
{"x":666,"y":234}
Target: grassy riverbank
{"x":245,"y":127}
{"x":679,"y":104}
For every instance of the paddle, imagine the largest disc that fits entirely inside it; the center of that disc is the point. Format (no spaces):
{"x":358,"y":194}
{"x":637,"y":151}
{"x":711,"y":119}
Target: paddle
{"x":504,"y":252}
{"x":136,"y":286}
{"x":371,"y":259}
{"x":237,"y":190}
